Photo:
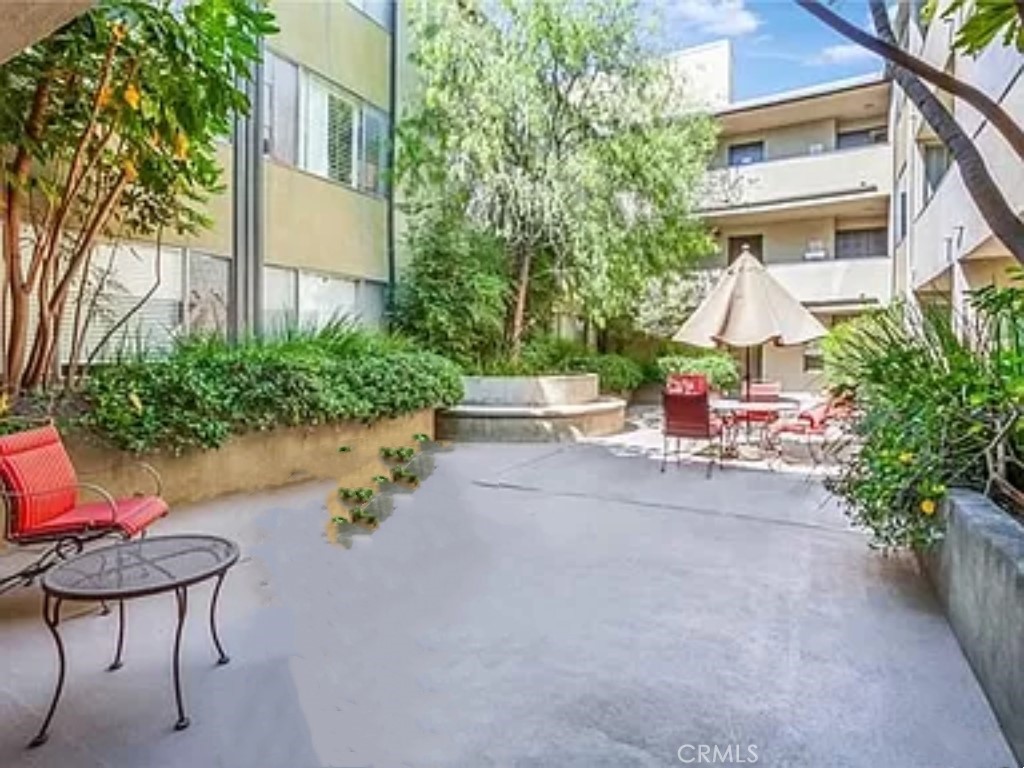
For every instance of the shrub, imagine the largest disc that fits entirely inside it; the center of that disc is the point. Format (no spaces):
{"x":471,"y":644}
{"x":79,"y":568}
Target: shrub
{"x":617,"y":373}
{"x":931,"y":403}
{"x":207,"y":390}
{"x":553,"y":355}
{"x":721,"y":369}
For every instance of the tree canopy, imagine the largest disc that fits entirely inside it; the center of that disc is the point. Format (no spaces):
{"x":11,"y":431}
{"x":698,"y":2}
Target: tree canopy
{"x":110,"y":126}
{"x":549,"y":126}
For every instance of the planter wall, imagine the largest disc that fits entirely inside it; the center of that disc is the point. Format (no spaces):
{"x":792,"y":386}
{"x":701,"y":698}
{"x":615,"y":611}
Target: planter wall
{"x":536,"y":391}
{"x":255,"y":461}
{"x":978,"y":571}
{"x":531,"y":409}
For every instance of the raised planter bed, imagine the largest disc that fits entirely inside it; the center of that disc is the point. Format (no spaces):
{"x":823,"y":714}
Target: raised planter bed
{"x":531,"y":409}
{"x":256,"y":461}
{"x":978,"y":572}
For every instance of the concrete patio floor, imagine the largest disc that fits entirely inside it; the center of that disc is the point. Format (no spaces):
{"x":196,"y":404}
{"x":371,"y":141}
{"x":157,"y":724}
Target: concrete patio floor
{"x":530,"y":605}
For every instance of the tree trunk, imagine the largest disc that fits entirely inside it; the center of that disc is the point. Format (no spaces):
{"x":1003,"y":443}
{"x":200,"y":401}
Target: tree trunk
{"x":888,"y":48}
{"x":979,"y":182}
{"x":519,"y":308}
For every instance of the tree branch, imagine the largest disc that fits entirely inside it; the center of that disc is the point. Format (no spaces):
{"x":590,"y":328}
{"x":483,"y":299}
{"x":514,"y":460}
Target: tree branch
{"x":890,"y":51}
{"x":1000,"y":217}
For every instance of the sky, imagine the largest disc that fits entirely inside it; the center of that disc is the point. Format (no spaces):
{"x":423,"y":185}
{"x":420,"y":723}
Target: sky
{"x":776,"y":45}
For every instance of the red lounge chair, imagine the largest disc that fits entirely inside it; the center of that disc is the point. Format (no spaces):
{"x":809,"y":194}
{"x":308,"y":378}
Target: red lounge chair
{"x":40,"y":492}
{"x":687,"y":415}
{"x":810,"y":424}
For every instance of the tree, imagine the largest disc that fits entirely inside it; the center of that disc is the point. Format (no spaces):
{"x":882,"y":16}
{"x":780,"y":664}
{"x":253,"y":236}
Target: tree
{"x":991,"y":203}
{"x":109,"y":128}
{"x":565,"y":140}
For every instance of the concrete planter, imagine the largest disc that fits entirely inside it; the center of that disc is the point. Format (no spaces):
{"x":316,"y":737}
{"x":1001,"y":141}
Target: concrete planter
{"x":537,"y":391}
{"x":978,"y":571}
{"x":531,"y":409}
{"x":256,"y":461}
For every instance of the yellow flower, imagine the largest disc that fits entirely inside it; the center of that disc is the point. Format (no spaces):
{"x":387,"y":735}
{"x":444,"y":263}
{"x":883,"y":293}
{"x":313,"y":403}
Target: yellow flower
{"x":928,"y":507}
{"x":130,"y":171}
{"x":118,"y":30}
{"x":906,"y":457}
{"x":132,"y":97}
{"x":4,"y":403}
{"x":135,"y":401}
{"x":104,"y":97}
{"x":180,"y":146}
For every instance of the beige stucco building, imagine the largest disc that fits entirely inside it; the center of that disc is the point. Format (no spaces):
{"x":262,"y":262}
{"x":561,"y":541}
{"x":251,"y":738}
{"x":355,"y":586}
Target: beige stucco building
{"x":804,"y":180}
{"x":943,"y":248}
{"x":300,"y":234}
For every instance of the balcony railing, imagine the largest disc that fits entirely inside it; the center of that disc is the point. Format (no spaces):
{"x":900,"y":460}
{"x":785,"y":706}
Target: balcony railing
{"x":801,"y":179}
{"x":828,"y":281}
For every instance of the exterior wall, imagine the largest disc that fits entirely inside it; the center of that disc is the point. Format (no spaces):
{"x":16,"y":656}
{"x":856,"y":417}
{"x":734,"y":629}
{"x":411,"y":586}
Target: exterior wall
{"x":802,"y":178}
{"x":337,"y":41}
{"x":21,"y":23}
{"x":947,"y":228}
{"x":706,"y":71}
{"x":798,"y":197}
{"x":316,"y":224}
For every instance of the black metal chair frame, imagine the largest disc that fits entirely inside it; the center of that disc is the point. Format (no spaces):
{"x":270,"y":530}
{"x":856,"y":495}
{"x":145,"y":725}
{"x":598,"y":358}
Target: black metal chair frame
{"x":62,"y":545}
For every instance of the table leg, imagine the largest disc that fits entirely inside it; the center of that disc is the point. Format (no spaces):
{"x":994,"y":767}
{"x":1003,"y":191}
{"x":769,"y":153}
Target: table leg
{"x":223,"y":658}
{"x":117,"y":663}
{"x":181,"y":596}
{"x":51,"y":615}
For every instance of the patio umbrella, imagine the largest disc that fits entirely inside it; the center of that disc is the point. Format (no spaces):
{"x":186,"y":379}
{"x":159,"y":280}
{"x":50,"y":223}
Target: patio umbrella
{"x":748,"y":308}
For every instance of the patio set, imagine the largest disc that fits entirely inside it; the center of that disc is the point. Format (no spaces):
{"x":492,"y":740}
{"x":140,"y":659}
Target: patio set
{"x":758,"y":420}
{"x":745,"y":310}
{"x":39,"y":490}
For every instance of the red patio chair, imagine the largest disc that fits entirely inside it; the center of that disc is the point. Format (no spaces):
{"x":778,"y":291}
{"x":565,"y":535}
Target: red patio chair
{"x":40,"y":492}
{"x":811,"y":424}
{"x":759,"y":392}
{"x":687,"y":415}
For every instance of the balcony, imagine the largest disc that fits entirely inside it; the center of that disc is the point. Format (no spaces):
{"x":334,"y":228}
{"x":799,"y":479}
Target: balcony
{"x":797,"y":182}
{"x":839,"y":282}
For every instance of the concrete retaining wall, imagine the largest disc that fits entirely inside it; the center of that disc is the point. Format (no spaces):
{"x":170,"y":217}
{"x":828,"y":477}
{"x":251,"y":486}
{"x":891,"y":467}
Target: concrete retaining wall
{"x":535,"y":391}
{"x":255,"y":461}
{"x":978,"y":571}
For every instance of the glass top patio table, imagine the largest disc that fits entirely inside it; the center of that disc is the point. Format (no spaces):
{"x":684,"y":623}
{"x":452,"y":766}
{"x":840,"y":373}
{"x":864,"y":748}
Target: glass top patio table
{"x":728,"y":405}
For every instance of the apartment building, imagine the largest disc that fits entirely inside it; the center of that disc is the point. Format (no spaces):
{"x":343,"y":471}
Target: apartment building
{"x":300,"y":234}
{"x":803,"y":180}
{"x":942,"y":247}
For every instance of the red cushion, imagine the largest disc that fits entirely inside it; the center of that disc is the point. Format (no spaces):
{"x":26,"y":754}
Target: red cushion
{"x":37,"y":472}
{"x":133,"y":514}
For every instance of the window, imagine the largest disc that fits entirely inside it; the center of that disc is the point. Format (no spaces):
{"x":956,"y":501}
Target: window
{"x":344,"y":139}
{"x":902,"y":217}
{"x":737,"y":243}
{"x":206,"y":303}
{"x":281,"y":109}
{"x":861,"y":138}
{"x":861,"y":243}
{"x":814,"y":361}
{"x":329,"y":146}
{"x":325,"y":298}
{"x":936,"y":163}
{"x":280,"y":299}
{"x":745,"y":154}
{"x":378,"y":10}
{"x":373,"y":159}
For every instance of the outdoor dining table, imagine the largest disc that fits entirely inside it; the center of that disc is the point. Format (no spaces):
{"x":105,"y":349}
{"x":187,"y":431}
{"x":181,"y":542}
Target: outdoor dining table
{"x":730,"y":407}
{"x":132,"y":569}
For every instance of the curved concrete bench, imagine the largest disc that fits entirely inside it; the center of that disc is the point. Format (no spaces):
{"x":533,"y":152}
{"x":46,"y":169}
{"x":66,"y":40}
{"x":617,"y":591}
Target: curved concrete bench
{"x":531,"y":409}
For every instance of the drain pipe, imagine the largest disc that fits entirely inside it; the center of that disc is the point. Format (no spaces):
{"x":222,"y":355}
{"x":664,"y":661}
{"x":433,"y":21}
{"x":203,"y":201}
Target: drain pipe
{"x":393,"y":119}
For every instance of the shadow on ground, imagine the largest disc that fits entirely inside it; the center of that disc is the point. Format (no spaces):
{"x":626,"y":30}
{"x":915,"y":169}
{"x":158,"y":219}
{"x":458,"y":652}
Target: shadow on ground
{"x":530,"y":605}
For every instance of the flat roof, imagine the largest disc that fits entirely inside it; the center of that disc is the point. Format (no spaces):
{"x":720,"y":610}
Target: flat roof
{"x":801,"y":94}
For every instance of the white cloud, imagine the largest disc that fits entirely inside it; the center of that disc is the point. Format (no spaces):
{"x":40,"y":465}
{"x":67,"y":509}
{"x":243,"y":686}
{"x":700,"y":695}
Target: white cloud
{"x":728,"y":18}
{"x":847,"y":53}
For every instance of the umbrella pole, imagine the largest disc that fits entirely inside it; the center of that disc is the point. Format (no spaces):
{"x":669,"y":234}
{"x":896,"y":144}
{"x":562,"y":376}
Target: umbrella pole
{"x":746,"y":394}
